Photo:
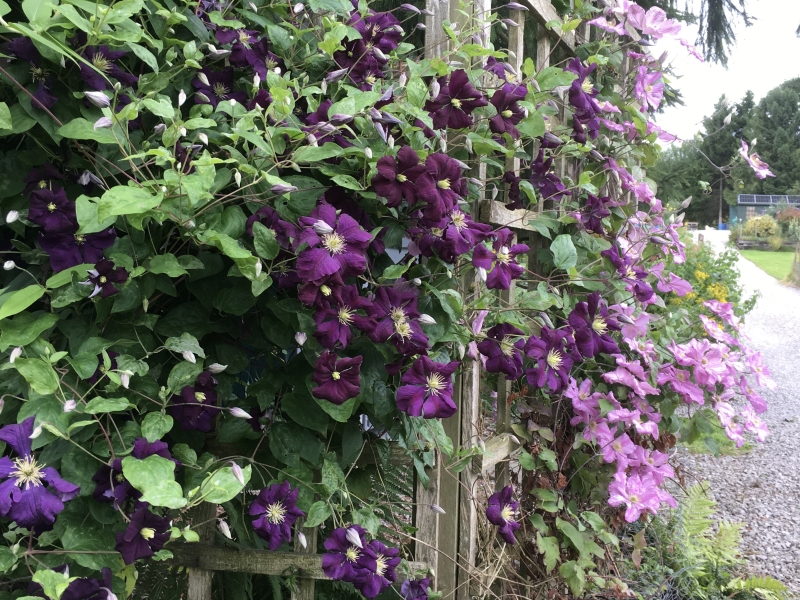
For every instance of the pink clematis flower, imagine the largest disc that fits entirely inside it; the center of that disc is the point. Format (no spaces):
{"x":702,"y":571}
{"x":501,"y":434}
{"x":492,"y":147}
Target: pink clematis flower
{"x":631,"y":327}
{"x":638,"y":494}
{"x":755,"y":361}
{"x":630,"y":374}
{"x":760,"y":168}
{"x":654,"y":22}
{"x":756,"y":401}
{"x":649,"y":88}
{"x":754,"y":424}
{"x":619,"y":451}
{"x":611,"y":26}
{"x":692,"y":49}
{"x":679,"y":380}
{"x":654,"y":464}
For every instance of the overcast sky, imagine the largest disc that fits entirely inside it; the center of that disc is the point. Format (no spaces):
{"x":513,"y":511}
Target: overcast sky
{"x":765,"y":55}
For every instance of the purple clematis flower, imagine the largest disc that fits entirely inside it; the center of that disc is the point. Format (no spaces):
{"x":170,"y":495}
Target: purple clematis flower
{"x":258,"y":56}
{"x":103,"y":59}
{"x":335,"y":244}
{"x":337,"y":379}
{"x":544,"y":180}
{"x":461,"y":234}
{"x":378,"y":564}
{"x":415,"y":589}
{"x":218,"y":89}
{"x":513,"y":192}
{"x":552,"y":357}
{"x":362,"y":63}
{"x":378,"y":30}
{"x":262,"y":99}
{"x":285,"y":232}
{"x":24,"y":49}
{"x":395,"y":318}
{"x":322,"y":292}
{"x":227,"y":36}
{"x":649,"y":88}
{"x":69,"y":249}
{"x":41,"y":178}
{"x":334,"y":321}
{"x":53,"y":211}
{"x":111,"y":483}
{"x":581,"y":92}
{"x":592,"y":323}
{"x":104,"y":276}
{"x":30,"y":493}
{"x":341,"y":560}
{"x":593,"y":213}
{"x":503,"y":350}
{"x":440,"y":186}
{"x":319,"y":126}
{"x":145,"y":535}
{"x":509,"y":112}
{"x":195,"y":406}
{"x":457,"y":99}
{"x":396,"y":177}
{"x":80,"y":588}
{"x":501,"y":512}
{"x":499,"y":263}
{"x":276,"y":511}
{"x":427,"y":389}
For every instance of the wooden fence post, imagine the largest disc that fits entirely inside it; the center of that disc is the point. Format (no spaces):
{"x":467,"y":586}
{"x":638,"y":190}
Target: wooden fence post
{"x":199,"y":580}
{"x":305,"y":586}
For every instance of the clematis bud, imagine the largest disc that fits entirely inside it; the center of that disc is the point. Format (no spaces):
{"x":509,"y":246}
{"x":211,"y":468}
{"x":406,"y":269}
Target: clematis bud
{"x":300,"y":338}
{"x":99,"y":99}
{"x":160,"y":128}
{"x":312,"y":140}
{"x":417,"y":281}
{"x":754,"y":142}
{"x":301,"y":537}
{"x":103,"y":123}
{"x":217,"y":368}
{"x":12,"y":216}
{"x":239,"y":413}
{"x":379,"y":54}
{"x":298,"y":8}
{"x":36,"y":432}
{"x":70,"y":405}
{"x":427,"y":319}
{"x":685,"y":204}
{"x":410,"y":8}
{"x":237,"y":472}
{"x":322,"y":228}
{"x":232,"y":102}
{"x":237,"y":177}
{"x":15,"y":353}
{"x":202,"y":97}
{"x":224,"y":529}
{"x":381,"y":131}
{"x":509,"y":23}
{"x":403,"y":79}
{"x":280,"y":188}
{"x":427,"y":12}
{"x":727,"y":120}
{"x":480,"y":274}
{"x":435,"y":89}
{"x":125,"y":378}
{"x":202,"y":77}
{"x":215,"y":53}
{"x":354,"y":538}
{"x":183,"y":131}
{"x":335,"y":75}
{"x":253,"y":6}
{"x":481,"y":445}
{"x":203,"y":138}
{"x":421,"y":26}
{"x":189,"y":355}
{"x":516,"y":6}
{"x":443,"y":144}
{"x":8,"y":265}
{"x":463,"y":165}
{"x":389,"y":142}
{"x":368,"y":152}
{"x":514,"y":439}
{"x":181,"y":98}
{"x":340,"y":119}
{"x":438,"y":509}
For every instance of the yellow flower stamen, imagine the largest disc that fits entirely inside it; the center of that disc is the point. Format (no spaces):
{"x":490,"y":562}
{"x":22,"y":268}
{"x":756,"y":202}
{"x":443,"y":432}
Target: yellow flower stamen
{"x":380,"y":565}
{"x":334,"y":243}
{"x":456,"y":102}
{"x":401,"y":178}
{"x":220,"y":91}
{"x":435,"y":383}
{"x":336,"y":376}
{"x":506,"y":114}
{"x":507,"y":346}
{"x":345,"y":315}
{"x":352,"y":554}
{"x":443,"y":184}
{"x":587,"y":86}
{"x":200,"y":396}
{"x":52,"y":207}
{"x":554,"y":359}
{"x":599,"y":325}
{"x":147,"y":533}
{"x":28,"y":472}
{"x":276,"y":513}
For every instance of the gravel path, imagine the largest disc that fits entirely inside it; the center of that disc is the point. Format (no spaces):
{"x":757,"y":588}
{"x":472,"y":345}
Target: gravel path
{"x":762,"y":488}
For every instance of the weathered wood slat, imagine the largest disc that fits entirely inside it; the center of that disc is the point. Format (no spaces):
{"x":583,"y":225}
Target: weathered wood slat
{"x":544,"y":13}
{"x":498,"y":448}
{"x":199,"y":581}
{"x":397,"y":455}
{"x":305,"y":586}
{"x":263,"y":562}
{"x":495,"y":212}
{"x":427,"y":521}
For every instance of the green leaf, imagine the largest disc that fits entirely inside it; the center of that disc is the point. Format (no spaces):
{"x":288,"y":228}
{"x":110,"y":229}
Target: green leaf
{"x":416,"y":91}
{"x":160,"y":108}
{"x":395,"y":271}
{"x":222,"y":485}
{"x":264,"y":239}
{"x":88,"y":219}
{"x":64,"y":277}
{"x":548,"y":457}
{"x":538,"y":522}
{"x":339,"y":412}
{"x":317,"y":153}
{"x":303,"y":410}
{"x":38,"y":12}
{"x":38,"y":373}
{"x":81,"y":129}
{"x":156,"y":425}
{"x":549,"y":547}
{"x":184,"y":454}
{"x":526,"y":461}
{"x":565,"y":256}
{"x":572,"y":533}
{"x":15,"y":302}
{"x":167,"y":264}
{"x":575,"y":577}
{"x":106,"y":405}
{"x":124,"y":200}
{"x":367,"y":519}
{"x":317,"y":514}
{"x":5,"y":117}
{"x":185,"y":342}
{"x":155,"y":478}
{"x":24,"y":328}
{"x":54,"y":584}
{"x":183,"y":374}
{"x":7,"y":559}
{"x":144,"y":55}
{"x":533,"y":125}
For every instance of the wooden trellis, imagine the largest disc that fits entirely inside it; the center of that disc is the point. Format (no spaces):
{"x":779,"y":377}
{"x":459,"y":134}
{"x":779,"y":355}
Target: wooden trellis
{"x":445,"y":543}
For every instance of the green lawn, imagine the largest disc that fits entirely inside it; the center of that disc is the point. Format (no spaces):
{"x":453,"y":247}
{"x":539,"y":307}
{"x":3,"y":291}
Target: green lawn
{"x":777,"y":264}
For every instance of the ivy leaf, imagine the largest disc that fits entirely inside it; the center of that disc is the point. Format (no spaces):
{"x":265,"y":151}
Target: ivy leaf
{"x":526,"y":461}
{"x":317,"y":153}
{"x":54,"y":584}
{"x":15,"y":302}
{"x":548,"y":457}
{"x":367,"y":519}
{"x":549,"y":547}
{"x":106,"y":405}
{"x":25,"y":328}
{"x":571,"y":532}
{"x":167,"y":264}
{"x":81,"y":129}
{"x":155,"y":478}
{"x":38,"y":373}
{"x":123,"y":200}
{"x":264,"y":239}
{"x":565,"y":256}
{"x":7,"y":559}
{"x":183,"y":374}
{"x":185,"y":342}
{"x":155,"y":426}
{"x":5,"y":117}
{"x":575,"y":577}
{"x":317,"y":514}
{"x":222,"y":485}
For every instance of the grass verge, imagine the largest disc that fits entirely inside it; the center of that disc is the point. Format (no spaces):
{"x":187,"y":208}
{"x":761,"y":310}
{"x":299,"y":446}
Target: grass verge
{"x":720,"y":442}
{"x":777,"y":264}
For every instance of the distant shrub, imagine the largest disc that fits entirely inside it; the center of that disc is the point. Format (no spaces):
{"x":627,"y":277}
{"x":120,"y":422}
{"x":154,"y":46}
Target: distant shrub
{"x":762,"y":226}
{"x":793,"y":231}
{"x":734,"y":237}
{"x":775,"y":243}
{"x":787,"y":215}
